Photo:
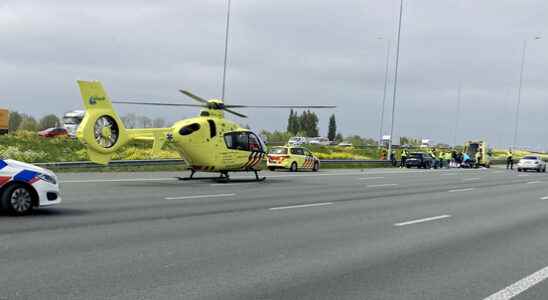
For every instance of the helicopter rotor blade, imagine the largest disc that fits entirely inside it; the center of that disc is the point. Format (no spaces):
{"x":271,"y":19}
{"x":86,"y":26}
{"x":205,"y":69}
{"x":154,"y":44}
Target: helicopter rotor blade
{"x":158,"y":103}
{"x":278,"y":106}
{"x":191,"y":95}
{"x":235,"y":113}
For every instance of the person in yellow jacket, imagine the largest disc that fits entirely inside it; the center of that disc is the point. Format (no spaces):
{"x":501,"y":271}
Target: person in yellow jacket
{"x":478,"y":158}
{"x":509,"y":160}
{"x":404,"y":156}
{"x":448,"y":157}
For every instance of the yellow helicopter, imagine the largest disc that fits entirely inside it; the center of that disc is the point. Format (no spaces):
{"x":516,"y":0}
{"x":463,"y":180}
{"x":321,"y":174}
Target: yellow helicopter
{"x":207,"y":143}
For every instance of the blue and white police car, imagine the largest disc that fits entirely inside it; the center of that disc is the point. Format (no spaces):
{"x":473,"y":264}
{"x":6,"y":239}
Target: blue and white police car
{"x":24,"y":186}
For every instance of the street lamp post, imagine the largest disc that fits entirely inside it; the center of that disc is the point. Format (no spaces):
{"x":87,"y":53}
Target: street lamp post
{"x":395,"y":83}
{"x":226,"y":49}
{"x":384,"y":91}
{"x":516,"y":126}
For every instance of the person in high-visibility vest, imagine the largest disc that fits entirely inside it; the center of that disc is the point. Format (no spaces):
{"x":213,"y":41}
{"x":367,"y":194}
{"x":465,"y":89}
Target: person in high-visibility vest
{"x":448,"y":158}
{"x":404,"y":155}
{"x":509,"y":160}
{"x":478,"y":158}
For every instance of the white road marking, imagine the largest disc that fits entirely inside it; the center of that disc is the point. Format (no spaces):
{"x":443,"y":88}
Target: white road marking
{"x":448,"y":174}
{"x":200,"y":196}
{"x":524,"y":175}
{"x":471,"y":179}
{"x":520,"y":286}
{"x":231,"y":184}
{"x":544,"y":198}
{"x":117,"y":180}
{"x":382,"y":185}
{"x":301,"y":206}
{"x":422,"y":220}
{"x":370,"y":178}
{"x":532,"y":182}
{"x":461,"y":190}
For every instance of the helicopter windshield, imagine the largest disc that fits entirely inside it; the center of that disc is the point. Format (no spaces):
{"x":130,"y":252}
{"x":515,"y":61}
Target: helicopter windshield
{"x":245,"y":141}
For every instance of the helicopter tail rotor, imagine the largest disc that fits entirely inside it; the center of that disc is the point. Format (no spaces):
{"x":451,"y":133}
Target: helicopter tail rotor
{"x":101,"y":131}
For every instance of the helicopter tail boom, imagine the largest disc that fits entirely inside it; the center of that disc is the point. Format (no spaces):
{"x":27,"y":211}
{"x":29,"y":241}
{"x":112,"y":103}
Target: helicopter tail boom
{"x":103,"y":132}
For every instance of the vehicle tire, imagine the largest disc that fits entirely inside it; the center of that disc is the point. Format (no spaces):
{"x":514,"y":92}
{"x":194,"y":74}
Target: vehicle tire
{"x":17,"y":200}
{"x":538,"y":170}
{"x":293,"y":167}
{"x":519,"y":170}
{"x":316,"y":167}
{"x":271,"y":169}
{"x":408,"y":166}
{"x":428,"y":165}
{"x":544,"y":170}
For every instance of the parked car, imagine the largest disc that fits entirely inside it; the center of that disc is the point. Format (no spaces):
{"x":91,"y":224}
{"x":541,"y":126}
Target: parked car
{"x":24,"y":186}
{"x":532,"y":162}
{"x":420,"y":160}
{"x":53,"y":132}
{"x":292,"y":158}
{"x":321,"y":141}
{"x":297,"y":141}
{"x":345,"y":144}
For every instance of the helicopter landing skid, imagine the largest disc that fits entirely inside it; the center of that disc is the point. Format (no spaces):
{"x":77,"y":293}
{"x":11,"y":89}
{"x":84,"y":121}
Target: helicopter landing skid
{"x":223,"y":177}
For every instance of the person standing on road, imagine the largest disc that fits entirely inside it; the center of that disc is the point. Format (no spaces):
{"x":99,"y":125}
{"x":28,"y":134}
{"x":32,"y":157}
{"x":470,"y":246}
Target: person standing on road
{"x":478,"y":158}
{"x":509,"y":160}
{"x":393,"y":158}
{"x":449,"y":159}
{"x":403,"y":158}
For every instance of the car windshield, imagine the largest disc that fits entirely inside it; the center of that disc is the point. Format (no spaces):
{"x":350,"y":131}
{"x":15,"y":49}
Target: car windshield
{"x":530,"y":157}
{"x":415,"y":155}
{"x":278,"y":150}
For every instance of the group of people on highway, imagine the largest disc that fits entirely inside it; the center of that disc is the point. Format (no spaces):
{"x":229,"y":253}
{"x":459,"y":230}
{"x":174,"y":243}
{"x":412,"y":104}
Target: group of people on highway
{"x":442,"y":158}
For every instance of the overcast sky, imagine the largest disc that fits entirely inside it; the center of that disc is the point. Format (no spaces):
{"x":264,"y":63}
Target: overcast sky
{"x":289,"y":52}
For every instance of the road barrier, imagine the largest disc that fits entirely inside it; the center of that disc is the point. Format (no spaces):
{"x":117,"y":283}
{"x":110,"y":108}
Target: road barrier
{"x":169,"y":162}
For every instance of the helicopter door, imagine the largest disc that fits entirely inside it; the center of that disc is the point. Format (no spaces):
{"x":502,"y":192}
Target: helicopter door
{"x":247,"y":148}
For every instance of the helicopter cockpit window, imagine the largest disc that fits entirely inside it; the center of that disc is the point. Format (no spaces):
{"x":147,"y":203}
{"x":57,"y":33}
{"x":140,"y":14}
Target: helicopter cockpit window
{"x":212,"y":128}
{"x":189,"y":129}
{"x":245,"y":141}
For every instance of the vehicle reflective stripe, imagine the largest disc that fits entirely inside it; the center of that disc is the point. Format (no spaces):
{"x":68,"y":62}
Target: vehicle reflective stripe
{"x":4,"y":180}
{"x":26,"y":176}
{"x":258,"y":160}
{"x":250,"y":159}
{"x":3,"y":164}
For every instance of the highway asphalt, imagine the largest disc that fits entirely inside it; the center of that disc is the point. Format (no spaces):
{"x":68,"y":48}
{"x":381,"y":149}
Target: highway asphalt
{"x":336,"y":234}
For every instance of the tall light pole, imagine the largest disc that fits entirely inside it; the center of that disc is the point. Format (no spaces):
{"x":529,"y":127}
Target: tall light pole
{"x":385,"y":90}
{"x":458,"y":114}
{"x":515,"y":139}
{"x":395,"y":83}
{"x":226,"y":49}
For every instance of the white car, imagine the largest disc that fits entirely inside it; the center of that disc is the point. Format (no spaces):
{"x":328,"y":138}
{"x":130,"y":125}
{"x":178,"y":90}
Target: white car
{"x":297,"y":141}
{"x":532,"y":162}
{"x":321,"y":141}
{"x":24,"y":186}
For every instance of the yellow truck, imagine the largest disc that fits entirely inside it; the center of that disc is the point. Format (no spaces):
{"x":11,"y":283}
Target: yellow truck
{"x":473,"y":147}
{"x":4,"y":121}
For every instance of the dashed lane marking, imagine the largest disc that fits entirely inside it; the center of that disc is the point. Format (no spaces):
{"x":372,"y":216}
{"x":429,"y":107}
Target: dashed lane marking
{"x":422,"y":220}
{"x":461,"y":190}
{"x":382,"y":185}
{"x":520,"y":286}
{"x":199,"y":196}
{"x":301,"y":206}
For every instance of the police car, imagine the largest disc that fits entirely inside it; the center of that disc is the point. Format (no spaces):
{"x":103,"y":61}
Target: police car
{"x":292,"y":158}
{"x":25,"y":186}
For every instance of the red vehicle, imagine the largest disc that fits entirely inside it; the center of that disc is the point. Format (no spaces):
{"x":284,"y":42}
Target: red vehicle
{"x":53,"y":132}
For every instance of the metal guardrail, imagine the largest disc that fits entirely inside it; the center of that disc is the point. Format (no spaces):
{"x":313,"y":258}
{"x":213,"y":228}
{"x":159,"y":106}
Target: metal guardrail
{"x":167,"y":162}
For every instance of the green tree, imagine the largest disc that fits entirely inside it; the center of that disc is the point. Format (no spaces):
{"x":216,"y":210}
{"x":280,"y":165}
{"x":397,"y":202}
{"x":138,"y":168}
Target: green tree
{"x":15,"y":121}
{"x":339,"y":138}
{"x":332,"y":130}
{"x":309,"y":124}
{"x":28,"y":123}
{"x":293,"y":124}
{"x":49,"y":121}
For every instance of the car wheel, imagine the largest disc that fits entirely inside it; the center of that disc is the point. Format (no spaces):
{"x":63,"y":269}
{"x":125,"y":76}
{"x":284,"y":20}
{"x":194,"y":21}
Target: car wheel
{"x":316,"y":167}
{"x":17,"y":200}
{"x":544,"y":170}
{"x":293,"y":167}
{"x":519,"y":170}
{"x":271,"y":168}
